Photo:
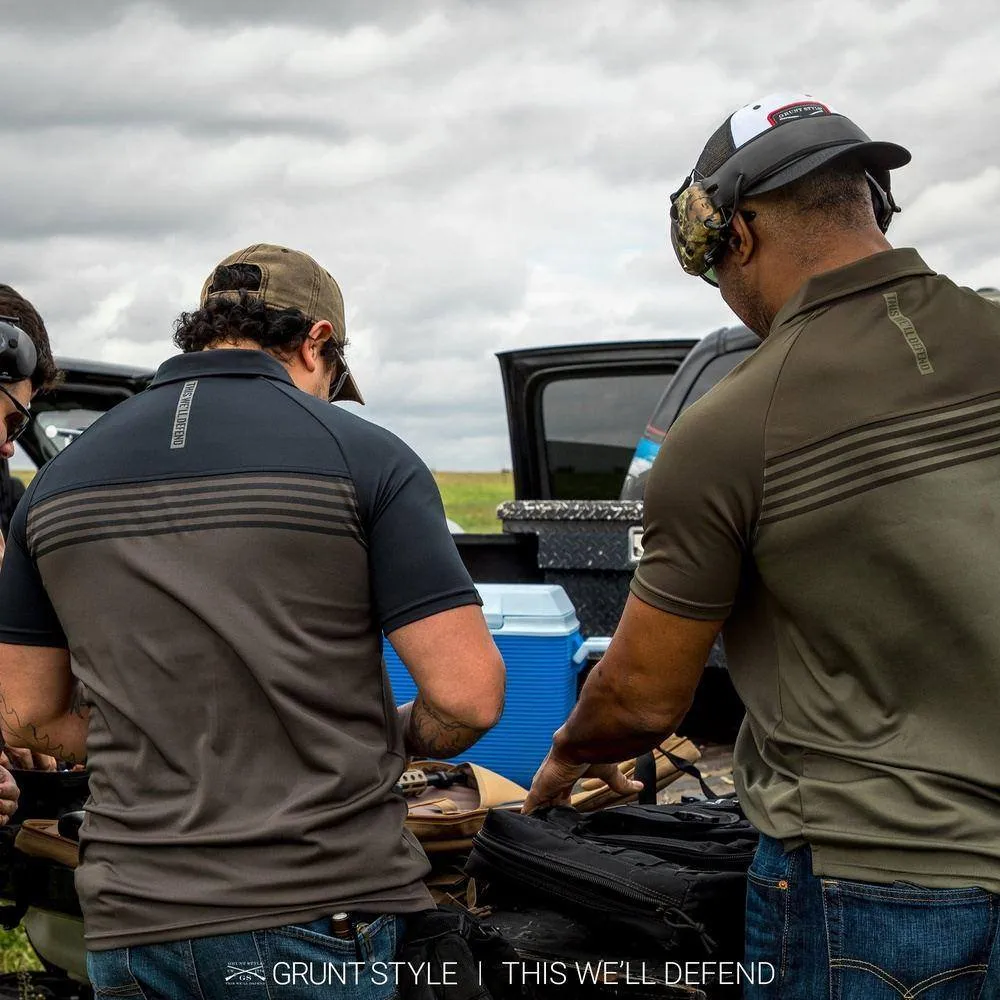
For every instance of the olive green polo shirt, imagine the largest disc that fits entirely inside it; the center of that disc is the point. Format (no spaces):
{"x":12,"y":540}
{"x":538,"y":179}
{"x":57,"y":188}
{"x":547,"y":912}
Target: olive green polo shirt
{"x":836,"y":499}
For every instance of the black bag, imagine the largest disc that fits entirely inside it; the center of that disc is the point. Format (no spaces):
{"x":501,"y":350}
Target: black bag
{"x":48,"y":794}
{"x":43,"y":795}
{"x":41,"y":986}
{"x":712,"y":836}
{"x":562,"y":958}
{"x":670,"y":879}
{"x":479,"y":960}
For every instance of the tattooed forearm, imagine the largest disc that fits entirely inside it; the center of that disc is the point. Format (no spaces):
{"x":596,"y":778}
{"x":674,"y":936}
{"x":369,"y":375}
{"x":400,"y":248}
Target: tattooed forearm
{"x":64,"y":738}
{"x":430,"y":733}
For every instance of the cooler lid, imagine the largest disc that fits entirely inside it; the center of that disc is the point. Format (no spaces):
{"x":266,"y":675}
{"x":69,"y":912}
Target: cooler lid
{"x":529,"y":608}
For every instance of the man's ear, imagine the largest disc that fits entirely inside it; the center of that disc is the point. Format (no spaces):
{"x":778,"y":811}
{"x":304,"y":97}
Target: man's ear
{"x":742,"y":241}
{"x":311,"y":347}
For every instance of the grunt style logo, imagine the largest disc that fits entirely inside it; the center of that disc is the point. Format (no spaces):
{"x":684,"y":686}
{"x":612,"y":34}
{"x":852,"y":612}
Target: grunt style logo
{"x":790,"y":112}
{"x":178,"y":437}
{"x":245,"y":973}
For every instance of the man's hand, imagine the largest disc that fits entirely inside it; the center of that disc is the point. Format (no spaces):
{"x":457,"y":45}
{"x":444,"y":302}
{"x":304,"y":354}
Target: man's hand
{"x":27,"y":760}
{"x":553,"y":782}
{"x":9,"y":794}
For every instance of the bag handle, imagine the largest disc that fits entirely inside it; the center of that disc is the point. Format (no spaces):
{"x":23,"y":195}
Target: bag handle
{"x":688,"y":768}
{"x":645,"y":771}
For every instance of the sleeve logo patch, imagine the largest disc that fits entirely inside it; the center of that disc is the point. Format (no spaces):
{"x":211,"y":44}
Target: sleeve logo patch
{"x":790,"y":112}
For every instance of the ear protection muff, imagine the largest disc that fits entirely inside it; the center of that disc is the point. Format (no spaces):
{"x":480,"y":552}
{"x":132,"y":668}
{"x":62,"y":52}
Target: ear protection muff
{"x":882,"y":201}
{"x":18,"y":356}
{"x":702,"y":210}
{"x":700,"y":228}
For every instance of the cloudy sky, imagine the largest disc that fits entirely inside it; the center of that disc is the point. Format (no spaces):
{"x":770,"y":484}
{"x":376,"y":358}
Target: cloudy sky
{"x":478,"y":174}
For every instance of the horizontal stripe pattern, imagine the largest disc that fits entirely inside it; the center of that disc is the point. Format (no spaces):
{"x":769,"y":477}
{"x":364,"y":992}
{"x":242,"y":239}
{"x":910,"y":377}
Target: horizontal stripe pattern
{"x":286,"y":501}
{"x":877,"y":454}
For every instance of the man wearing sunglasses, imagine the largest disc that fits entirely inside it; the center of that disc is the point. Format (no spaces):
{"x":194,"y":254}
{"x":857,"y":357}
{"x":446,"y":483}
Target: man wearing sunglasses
{"x":17,"y":388}
{"x":832,"y":505}
{"x":224,"y":553}
{"x":26,"y":367}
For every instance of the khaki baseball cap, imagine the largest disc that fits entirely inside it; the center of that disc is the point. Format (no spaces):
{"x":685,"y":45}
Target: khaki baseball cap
{"x":290,"y":279}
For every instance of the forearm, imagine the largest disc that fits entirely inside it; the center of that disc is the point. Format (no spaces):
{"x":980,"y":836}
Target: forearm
{"x":611,"y":723}
{"x":62,"y":734}
{"x":429,"y":732}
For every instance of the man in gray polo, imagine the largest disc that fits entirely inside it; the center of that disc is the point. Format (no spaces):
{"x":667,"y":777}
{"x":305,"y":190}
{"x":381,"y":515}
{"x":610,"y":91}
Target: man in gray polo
{"x":833,"y":504}
{"x":222,"y":555}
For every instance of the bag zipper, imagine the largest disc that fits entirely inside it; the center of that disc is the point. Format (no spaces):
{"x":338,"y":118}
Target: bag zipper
{"x":511,"y":858}
{"x":645,"y":899}
{"x":654,"y":846}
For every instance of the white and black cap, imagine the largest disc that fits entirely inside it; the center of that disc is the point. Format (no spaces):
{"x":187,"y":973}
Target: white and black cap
{"x":784,"y":136}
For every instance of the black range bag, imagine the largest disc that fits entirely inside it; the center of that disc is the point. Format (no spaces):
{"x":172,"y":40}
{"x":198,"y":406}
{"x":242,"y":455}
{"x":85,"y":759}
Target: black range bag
{"x":663,"y":880}
{"x":562,"y":958}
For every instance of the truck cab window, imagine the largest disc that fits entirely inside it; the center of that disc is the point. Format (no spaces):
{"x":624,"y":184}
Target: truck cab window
{"x":590,"y":426}
{"x":60,"y":427}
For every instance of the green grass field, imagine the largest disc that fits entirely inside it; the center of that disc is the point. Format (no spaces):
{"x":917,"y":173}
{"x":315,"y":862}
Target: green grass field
{"x":471,"y":498}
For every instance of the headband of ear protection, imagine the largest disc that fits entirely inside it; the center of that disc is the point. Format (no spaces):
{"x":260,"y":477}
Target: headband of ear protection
{"x":702,"y":210}
{"x":18,"y":356}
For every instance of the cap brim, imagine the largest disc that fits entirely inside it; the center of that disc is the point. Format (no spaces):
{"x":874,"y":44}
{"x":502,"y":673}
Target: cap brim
{"x":878,"y":156}
{"x":349,"y":391}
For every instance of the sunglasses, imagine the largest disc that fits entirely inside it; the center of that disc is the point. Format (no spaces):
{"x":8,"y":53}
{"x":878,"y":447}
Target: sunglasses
{"x":335,"y":387}
{"x":18,"y":421}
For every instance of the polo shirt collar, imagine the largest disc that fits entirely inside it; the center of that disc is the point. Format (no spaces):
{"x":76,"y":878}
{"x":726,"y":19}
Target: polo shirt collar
{"x":203,"y":364}
{"x":869,"y":272}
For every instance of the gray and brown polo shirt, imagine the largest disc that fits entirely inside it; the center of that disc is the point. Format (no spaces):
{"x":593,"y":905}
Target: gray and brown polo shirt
{"x":837,"y":500}
{"x":221,"y":555}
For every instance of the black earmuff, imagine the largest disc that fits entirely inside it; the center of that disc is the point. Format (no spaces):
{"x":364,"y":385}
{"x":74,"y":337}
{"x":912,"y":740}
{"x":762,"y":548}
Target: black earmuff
{"x":882,"y":201}
{"x":18,"y":356}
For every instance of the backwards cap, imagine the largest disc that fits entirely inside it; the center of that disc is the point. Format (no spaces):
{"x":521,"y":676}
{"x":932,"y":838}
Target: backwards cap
{"x":290,"y":279}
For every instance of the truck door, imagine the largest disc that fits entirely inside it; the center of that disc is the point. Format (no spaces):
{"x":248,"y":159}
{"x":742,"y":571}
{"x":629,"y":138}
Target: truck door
{"x":574,"y":413}
{"x":88,"y":389}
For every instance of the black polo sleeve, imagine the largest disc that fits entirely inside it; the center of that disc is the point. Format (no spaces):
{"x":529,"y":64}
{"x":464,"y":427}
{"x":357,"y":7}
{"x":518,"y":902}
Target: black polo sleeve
{"x":414,"y":566}
{"x":27,"y":617}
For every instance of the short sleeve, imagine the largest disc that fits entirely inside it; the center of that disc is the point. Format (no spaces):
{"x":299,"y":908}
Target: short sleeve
{"x":414,"y":565}
{"x":27,"y":617}
{"x":701,"y":504}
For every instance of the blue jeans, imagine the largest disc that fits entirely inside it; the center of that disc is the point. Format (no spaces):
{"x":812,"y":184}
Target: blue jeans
{"x":832,"y":939}
{"x":297,"y":962}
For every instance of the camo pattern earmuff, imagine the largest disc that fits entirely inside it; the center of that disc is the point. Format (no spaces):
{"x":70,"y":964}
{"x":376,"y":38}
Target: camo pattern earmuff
{"x":758,"y":149}
{"x":698,"y":228}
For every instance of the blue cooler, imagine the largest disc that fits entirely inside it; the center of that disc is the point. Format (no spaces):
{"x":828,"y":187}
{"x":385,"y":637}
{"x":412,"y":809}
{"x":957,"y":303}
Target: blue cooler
{"x":537,"y":633}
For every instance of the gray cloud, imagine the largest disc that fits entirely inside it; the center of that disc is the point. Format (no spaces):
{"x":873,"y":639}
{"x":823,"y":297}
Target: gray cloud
{"x":478,"y":175}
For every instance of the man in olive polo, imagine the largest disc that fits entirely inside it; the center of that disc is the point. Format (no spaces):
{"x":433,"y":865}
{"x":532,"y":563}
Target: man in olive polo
{"x":833,"y":505}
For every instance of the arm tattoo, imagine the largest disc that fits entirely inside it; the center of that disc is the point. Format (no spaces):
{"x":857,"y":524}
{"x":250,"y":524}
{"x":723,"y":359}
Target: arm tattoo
{"x":18,"y":733}
{"x":78,"y":701}
{"x":431,"y":734}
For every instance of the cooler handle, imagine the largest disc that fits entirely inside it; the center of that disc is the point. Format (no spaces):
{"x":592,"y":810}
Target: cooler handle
{"x":592,"y":644}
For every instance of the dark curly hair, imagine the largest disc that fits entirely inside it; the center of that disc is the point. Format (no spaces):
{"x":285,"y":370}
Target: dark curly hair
{"x":15,"y":305}
{"x":230,"y":320}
